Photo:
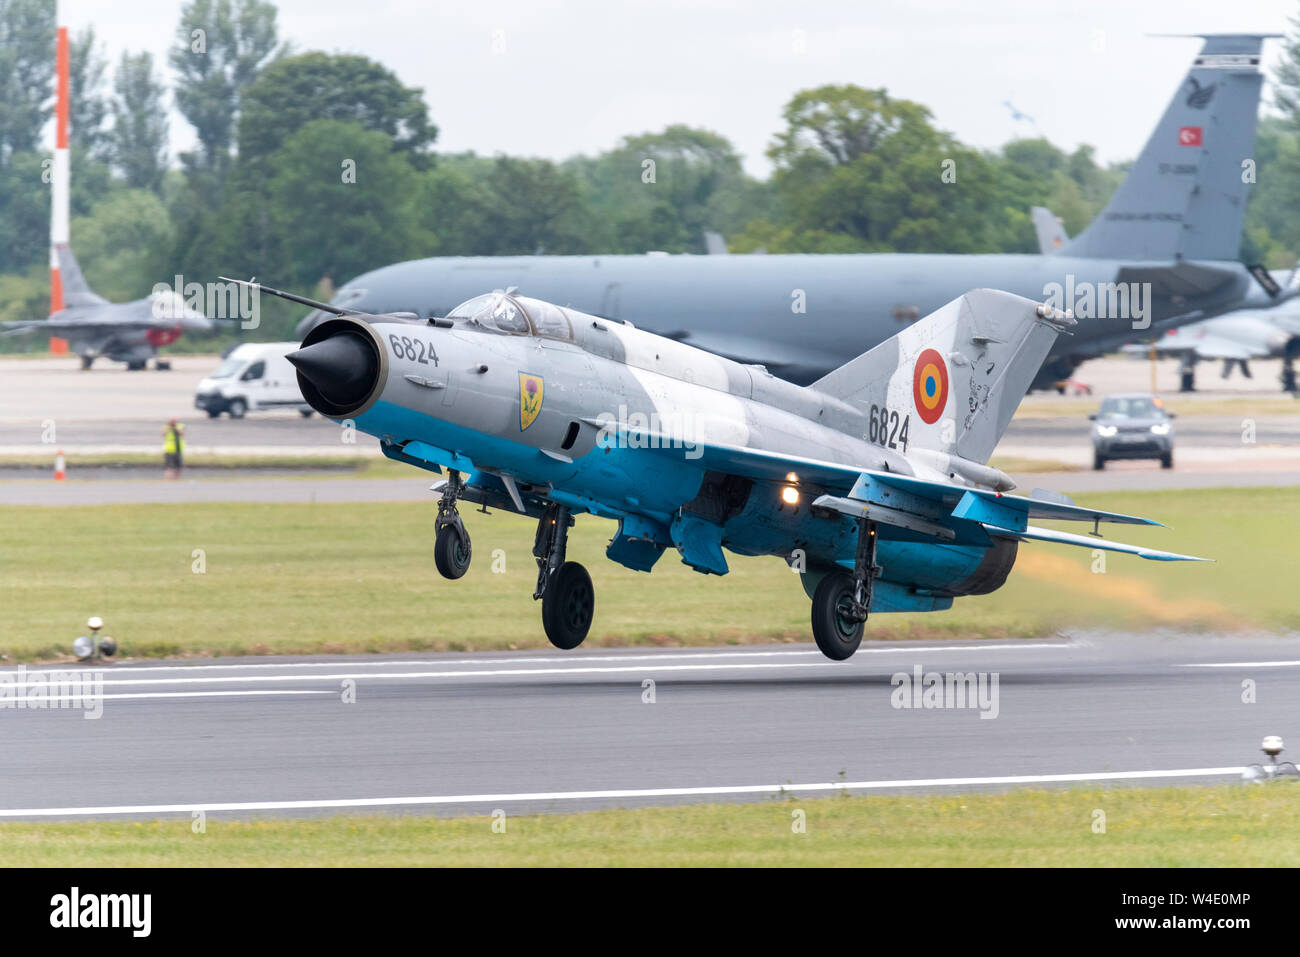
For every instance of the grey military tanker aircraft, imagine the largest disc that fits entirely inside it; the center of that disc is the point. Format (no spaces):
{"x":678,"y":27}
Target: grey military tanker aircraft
{"x":873,"y":481}
{"x":1162,"y":253}
{"x":129,"y":332}
{"x":1235,"y":338}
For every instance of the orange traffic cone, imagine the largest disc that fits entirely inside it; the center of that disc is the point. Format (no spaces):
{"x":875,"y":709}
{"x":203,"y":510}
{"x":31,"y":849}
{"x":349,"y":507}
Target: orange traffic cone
{"x":60,"y":467}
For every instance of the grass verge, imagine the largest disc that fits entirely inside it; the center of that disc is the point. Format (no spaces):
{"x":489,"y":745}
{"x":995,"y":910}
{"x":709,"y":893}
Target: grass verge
{"x":240,"y":578}
{"x":1223,"y":826}
{"x":242,"y":461}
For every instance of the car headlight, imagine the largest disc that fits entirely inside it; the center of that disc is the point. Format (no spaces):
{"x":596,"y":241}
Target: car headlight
{"x":1160,"y":428}
{"x":1106,"y":431}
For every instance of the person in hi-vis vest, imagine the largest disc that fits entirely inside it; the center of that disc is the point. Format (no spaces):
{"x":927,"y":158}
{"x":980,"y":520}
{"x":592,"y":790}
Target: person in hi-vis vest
{"x":173,"y":449}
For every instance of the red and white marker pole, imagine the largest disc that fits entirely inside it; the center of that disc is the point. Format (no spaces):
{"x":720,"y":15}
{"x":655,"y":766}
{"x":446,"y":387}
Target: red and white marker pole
{"x":59,"y":173}
{"x":60,"y":466}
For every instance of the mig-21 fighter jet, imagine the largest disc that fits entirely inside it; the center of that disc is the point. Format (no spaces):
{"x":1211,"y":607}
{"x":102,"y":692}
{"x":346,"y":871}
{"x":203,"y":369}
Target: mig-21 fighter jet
{"x":872,"y":481}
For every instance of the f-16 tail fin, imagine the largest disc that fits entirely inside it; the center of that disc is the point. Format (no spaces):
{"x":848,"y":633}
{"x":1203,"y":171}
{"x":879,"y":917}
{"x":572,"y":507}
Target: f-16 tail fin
{"x":76,"y":292}
{"x":953,"y":380}
{"x":1052,"y":236}
{"x":1185,"y":196}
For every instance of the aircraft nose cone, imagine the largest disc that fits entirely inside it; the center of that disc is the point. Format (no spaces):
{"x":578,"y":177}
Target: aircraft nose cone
{"x":342,"y":368}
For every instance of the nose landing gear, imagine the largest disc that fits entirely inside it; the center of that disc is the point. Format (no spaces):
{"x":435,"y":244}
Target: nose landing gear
{"x":568,"y":598}
{"x":451,"y":546}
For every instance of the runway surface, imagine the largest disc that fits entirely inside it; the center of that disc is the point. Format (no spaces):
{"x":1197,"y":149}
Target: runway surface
{"x":539,"y":731}
{"x":110,"y":410}
{"x":287,"y":433}
{"x":308,"y":488}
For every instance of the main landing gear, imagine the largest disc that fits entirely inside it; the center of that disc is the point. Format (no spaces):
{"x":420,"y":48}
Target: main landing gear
{"x":451,"y":549}
{"x":568,"y":599}
{"x":842,"y":599}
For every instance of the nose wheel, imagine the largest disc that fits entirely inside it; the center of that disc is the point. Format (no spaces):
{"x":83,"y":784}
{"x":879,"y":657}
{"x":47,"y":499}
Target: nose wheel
{"x":451,"y":546}
{"x":568,"y":598}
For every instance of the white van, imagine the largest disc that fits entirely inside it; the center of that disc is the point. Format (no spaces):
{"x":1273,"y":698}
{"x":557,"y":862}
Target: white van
{"x":254,"y":376}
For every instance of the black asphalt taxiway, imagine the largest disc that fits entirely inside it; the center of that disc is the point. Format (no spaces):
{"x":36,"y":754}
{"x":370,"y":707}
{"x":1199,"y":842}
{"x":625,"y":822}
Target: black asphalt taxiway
{"x":544,"y":730}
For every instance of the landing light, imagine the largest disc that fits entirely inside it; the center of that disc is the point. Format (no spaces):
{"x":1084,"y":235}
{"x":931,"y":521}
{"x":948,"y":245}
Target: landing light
{"x":790,"y":495}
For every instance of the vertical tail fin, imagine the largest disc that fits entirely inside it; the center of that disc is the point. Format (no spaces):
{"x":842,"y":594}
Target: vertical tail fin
{"x":954,"y":378}
{"x":76,"y":291}
{"x":1052,"y":236}
{"x":1185,"y":196}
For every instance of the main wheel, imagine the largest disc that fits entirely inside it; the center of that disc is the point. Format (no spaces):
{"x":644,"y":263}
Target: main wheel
{"x":835,"y":631}
{"x":568,"y":605}
{"x":237,"y":408}
{"x":305,"y":413}
{"x":451,"y":552}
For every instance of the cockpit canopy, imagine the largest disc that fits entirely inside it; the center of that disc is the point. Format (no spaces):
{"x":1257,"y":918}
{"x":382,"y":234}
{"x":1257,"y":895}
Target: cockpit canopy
{"x":516,"y":316}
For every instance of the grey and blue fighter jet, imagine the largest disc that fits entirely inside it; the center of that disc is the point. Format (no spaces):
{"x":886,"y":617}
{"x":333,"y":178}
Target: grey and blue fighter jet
{"x":872,"y":482}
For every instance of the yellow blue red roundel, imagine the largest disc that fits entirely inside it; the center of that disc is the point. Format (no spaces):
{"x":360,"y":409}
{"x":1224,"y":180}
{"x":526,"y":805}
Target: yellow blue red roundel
{"x":930,"y":386}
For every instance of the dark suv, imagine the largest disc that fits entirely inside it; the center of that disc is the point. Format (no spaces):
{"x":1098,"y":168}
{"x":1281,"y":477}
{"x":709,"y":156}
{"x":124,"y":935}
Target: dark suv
{"x":1132,"y":426}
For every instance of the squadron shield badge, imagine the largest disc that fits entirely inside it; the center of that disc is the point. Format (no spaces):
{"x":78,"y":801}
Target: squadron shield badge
{"x":530,"y":399}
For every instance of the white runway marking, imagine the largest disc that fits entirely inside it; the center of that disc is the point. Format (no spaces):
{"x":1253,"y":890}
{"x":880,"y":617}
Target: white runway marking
{"x":549,"y":659}
{"x":646,"y":668}
{"x":1242,"y":664}
{"x":617,"y":793}
{"x":490,"y":673}
{"x":649,"y":663}
{"x":172,"y":694}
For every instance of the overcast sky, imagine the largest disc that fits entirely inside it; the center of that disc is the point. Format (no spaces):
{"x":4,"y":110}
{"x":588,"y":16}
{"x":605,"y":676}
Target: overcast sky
{"x":548,"y":78}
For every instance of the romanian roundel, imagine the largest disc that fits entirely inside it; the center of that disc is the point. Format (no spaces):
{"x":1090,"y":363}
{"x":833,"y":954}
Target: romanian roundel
{"x":930,"y":386}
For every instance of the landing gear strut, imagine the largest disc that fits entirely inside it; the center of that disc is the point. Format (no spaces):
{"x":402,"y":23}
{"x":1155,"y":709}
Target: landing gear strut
{"x":1288,"y":374}
{"x":1187,"y":373}
{"x":842,"y":599}
{"x":568,"y":599}
{"x":451,"y":548}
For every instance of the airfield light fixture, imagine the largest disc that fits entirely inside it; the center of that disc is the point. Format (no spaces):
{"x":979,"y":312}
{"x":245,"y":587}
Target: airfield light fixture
{"x":1272,"y":745}
{"x":92,"y":646}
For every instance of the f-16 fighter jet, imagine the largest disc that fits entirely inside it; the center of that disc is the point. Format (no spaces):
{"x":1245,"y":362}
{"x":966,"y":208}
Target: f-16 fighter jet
{"x":872,"y":481}
{"x":130,"y":332}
